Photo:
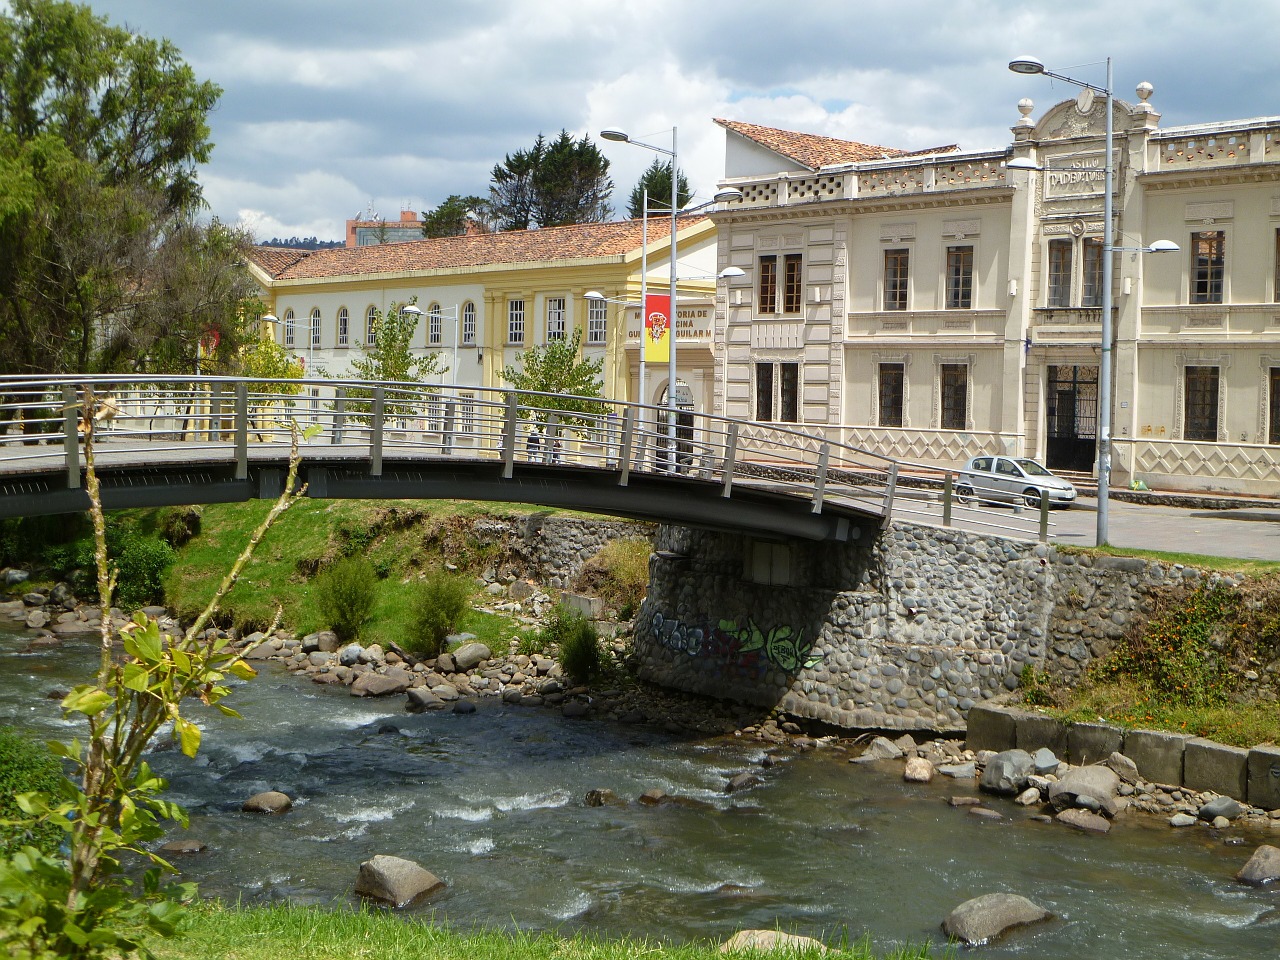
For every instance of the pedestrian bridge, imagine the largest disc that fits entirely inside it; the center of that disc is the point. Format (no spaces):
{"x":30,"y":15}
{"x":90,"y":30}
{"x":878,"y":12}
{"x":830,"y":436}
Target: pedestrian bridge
{"x":163,"y":441}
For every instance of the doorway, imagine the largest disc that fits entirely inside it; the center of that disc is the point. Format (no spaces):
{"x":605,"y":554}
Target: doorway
{"x":1071,"y":417}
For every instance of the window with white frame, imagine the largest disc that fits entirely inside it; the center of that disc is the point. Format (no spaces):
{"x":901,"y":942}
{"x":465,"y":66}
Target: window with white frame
{"x":555,"y":319}
{"x":1273,"y":403}
{"x":515,"y":321}
{"x":1200,"y":403}
{"x":1208,"y":265}
{"x":467,"y":412}
{"x":1091,"y":296}
{"x":315,"y":327}
{"x":344,"y":327}
{"x":1059,"y":287}
{"x":897,"y":267}
{"x":371,"y":326}
{"x":959,"y":278}
{"x":290,"y":328}
{"x":468,"y":322}
{"x":434,"y":325}
{"x":597,"y":321}
{"x":953,"y":384}
{"x":777,"y":392}
{"x":892,"y":393}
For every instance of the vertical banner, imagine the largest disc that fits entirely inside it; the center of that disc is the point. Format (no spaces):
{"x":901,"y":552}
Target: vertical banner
{"x":657,"y":329}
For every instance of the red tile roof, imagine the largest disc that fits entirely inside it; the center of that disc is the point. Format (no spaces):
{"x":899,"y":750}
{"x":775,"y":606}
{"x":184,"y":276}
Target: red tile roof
{"x":815,"y":152}
{"x":578,"y":242}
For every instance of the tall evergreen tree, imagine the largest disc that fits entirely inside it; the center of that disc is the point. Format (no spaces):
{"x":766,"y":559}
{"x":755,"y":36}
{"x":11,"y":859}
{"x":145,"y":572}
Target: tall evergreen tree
{"x":657,"y":180}
{"x":450,"y":219}
{"x":552,"y":184}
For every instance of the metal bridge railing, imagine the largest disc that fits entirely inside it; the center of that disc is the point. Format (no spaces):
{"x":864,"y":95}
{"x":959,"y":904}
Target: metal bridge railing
{"x":236,"y":419}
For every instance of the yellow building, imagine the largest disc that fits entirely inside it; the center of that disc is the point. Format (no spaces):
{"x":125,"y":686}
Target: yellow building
{"x":485,"y":298}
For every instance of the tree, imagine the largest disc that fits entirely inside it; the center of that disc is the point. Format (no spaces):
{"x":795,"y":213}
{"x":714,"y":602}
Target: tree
{"x":569,"y":380}
{"x":552,"y":184}
{"x":390,"y":358}
{"x":451,"y":218}
{"x":101,"y":132}
{"x":657,"y":180}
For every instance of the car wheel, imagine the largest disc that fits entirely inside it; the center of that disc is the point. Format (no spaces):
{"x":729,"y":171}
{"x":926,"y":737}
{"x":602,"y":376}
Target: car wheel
{"x":1031,"y":497}
{"x":964,"y":494}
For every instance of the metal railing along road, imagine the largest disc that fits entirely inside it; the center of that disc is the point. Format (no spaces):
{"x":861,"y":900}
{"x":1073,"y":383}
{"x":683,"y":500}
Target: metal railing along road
{"x":151,"y":420}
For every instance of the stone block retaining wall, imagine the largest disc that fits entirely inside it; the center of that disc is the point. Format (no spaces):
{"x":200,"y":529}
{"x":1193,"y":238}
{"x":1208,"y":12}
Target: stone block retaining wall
{"x":551,"y":549}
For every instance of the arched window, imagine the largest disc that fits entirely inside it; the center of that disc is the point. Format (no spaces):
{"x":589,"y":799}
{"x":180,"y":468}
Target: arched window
{"x":468,"y":322}
{"x":371,"y":326}
{"x":288,"y":327}
{"x":344,"y":327}
{"x":433,"y":331}
{"x":315,"y":327}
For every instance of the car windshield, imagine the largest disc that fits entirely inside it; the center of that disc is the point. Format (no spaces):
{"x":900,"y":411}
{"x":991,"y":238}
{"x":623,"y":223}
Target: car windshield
{"x":1033,"y":468}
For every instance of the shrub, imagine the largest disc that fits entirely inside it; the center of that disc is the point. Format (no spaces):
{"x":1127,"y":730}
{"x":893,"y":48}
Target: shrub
{"x":142,"y":562}
{"x":345,"y":594}
{"x":25,"y":767}
{"x":619,"y":574}
{"x":176,"y":526}
{"x":577,"y":641}
{"x":437,"y":607}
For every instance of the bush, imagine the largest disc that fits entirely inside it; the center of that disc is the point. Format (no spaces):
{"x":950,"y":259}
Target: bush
{"x":577,"y":641}
{"x":142,"y":562}
{"x":178,"y":525}
{"x":345,"y":594}
{"x":437,"y":607}
{"x":619,"y":574}
{"x":26,"y":766}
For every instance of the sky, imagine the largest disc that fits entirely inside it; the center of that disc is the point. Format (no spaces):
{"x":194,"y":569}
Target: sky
{"x":333,"y":108}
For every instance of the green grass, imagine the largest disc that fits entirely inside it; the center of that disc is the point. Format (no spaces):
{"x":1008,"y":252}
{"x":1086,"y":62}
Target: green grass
{"x":1200,"y":560}
{"x":283,"y":932}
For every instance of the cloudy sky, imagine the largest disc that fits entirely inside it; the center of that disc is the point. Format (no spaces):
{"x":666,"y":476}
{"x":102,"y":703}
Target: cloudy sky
{"x":332,"y":107}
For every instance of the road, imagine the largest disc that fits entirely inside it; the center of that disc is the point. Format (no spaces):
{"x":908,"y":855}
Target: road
{"x":1251,"y":533}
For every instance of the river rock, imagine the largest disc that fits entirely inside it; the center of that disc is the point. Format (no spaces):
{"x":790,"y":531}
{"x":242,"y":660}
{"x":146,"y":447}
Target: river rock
{"x":270,"y":801}
{"x":323,"y":641}
{"x":349,"y":655}
{"x":771,"y":941}
{"x":984,"y":918}
{"x":445,"y":664}
{"x":1262,"y":868}
{"x":1098,"y":782}
{"x":880,"y":748}
{"x":1028,"y":797}
{"x":470,"y":655}
{"x":653,"y":797}
{"x":60,"y":594}
{"x":918,"y":770}
{"x":1220,"y":807}
{"x":1046,"y":762}
{"x":601,"y":796}
{"x":261,"y":650}
{"x":183,"y":847}
{"x":1182,"y":820}
{"x":742,"y":781}
{"x":395,"y":880}
{"x":14,"y":577}
{"x":1006,"y":773}
{"x":421,"y":699}
{"x":575,"y":709}
{"x":34,"y":599}
{"x":381,"y":684}
{"x":1124,"y":768}
{"x":959,"y":771}
{"x":464,"y":706}
{"x":36,"y":619}
{"x":1084,"y":820}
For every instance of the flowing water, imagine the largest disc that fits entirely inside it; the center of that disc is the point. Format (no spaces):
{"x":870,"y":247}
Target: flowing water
{"x":492,"y":803}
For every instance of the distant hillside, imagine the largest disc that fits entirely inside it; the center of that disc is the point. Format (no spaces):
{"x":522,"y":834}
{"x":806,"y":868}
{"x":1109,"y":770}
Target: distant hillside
{"x":302,"y":243}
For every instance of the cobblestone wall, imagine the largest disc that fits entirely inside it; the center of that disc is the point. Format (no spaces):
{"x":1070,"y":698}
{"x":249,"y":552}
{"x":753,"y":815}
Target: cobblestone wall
{"x":551,"y":549}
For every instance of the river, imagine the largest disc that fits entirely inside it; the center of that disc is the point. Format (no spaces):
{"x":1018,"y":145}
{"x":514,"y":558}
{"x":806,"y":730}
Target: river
{"x":492,"y":802}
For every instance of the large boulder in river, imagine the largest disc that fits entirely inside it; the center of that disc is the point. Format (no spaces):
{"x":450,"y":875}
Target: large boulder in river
{"x":395,"y":880}
{"x":373,"y":684}
{"x":269,"y":801}
{"x":1263,"y":867}
{"x":1007,"y":772}
{"x":1080,"y":785}
{"x":771,"y":941}
{"x":984,"y":918}
{"x":470,"y":655}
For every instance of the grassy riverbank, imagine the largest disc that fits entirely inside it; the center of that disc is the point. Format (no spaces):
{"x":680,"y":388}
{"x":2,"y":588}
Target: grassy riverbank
{"x":282,"y":932}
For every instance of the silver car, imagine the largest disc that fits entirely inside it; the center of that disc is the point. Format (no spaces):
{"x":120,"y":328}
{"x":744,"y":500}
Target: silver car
{"x":1012,"y":480}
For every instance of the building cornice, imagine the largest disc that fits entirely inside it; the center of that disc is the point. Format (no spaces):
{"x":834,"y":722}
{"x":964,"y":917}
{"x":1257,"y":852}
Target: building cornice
{"x":1210,"y":176}
{"x":969,"y":196}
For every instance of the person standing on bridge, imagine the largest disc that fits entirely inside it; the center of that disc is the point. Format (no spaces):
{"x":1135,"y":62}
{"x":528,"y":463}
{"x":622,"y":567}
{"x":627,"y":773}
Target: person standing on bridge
{"x":533,"y":445}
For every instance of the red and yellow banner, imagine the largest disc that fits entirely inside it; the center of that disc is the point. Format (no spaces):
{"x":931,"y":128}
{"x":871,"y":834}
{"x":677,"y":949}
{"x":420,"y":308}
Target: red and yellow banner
{"x":657,"y":329}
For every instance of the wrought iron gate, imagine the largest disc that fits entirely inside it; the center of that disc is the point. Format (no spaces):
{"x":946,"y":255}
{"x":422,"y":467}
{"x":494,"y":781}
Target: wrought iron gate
{"x":1071,"y":417}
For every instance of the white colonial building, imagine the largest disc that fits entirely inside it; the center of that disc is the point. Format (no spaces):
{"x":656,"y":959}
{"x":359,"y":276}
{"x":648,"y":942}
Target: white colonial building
{"x":934,"y":306}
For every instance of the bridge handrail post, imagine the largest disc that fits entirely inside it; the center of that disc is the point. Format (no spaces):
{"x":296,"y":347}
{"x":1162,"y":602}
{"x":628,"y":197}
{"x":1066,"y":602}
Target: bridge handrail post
{"x":889,"y":490}
{"x":242,"y":431}
{"x":339,"y":414}
{"x":450,"y":412}
{"x":820,"y":477}
{"x":70,"y":437}
{"x":375,"y":433}
{"x":509,"y":419}
{"x":1044,"y":517}
{"x":730,"y":459}
{"x":947,"y":483}
{"x":624,"y":446}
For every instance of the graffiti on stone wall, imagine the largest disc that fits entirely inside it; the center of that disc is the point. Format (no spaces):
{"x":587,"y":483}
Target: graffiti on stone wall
{"x":747,"y":648}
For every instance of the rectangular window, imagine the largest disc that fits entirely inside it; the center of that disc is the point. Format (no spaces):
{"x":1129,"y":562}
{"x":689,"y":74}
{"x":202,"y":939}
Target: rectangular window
{"x":315,"y":328}
{"x":344,"y":328}
{"x":1208,"y":258}
{"x":597,"y":321}
{"x":515,"y":321}
{"x":1092,"y":294}
{"x":1273,"y":427}
{"x":371,"y":326}
{"x":959,"y":278}
{"x":792,"y":283}
{"x":1201,"y":421}
{"x":435,"y":322}
{"x":469,"y":323}
{"x":467,"y":412}
{"x":555,"y":318}
{"x":767,"y":301}
{"x":897,"y":265}
{"x":892,"y":383}
{"x":764,"y":392}
{"x":954,"y":381}
{"x":789,"y":392}
{"x":288,"y":329}
{"x":1059,"y":293}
